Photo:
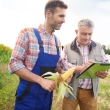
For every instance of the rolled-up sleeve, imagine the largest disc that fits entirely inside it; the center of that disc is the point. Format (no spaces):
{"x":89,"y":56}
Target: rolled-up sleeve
{"x":19,"y":52}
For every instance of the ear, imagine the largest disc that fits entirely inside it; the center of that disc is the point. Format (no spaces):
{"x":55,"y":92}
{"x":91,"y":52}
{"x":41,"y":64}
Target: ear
{"x":76,"y":31}
{"x":48,"y":13}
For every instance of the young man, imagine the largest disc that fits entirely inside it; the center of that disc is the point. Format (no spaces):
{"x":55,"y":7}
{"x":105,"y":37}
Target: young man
{"x":78,"y":52}
{"x":37,"y":52}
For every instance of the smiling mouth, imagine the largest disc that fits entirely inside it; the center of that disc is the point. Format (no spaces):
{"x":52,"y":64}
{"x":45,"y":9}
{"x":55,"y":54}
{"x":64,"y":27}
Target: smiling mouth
{"x":60,"y":25}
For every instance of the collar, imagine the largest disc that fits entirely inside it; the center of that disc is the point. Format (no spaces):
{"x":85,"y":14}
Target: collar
{"x":42,"y":30}
{"x":74,"y":45}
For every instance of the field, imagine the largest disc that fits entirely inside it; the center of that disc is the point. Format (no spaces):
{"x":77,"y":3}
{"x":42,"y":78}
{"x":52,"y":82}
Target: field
{"x":8,"y":84}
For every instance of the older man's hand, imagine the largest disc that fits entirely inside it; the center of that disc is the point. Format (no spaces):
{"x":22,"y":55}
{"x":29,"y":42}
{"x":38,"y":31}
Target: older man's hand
{"x":102,"y":74}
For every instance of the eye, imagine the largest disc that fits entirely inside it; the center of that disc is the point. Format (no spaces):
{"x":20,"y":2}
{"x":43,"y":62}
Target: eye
{"x":62,"y":16}
{"x":84,"y":33}
{"x":90,"y":34}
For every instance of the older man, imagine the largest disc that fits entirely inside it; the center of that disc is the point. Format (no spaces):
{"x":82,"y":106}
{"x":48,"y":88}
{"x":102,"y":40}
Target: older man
{"x":78,"y":52}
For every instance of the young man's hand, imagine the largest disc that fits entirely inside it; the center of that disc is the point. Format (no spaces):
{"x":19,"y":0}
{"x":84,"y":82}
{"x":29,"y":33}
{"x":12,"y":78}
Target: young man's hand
{"x":47,"y":84}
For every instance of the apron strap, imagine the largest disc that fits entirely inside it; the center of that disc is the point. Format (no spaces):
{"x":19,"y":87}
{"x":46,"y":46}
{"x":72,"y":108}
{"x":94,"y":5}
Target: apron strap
{"x":38,"y":37}
{"x":29,"y":84}
{"x":41,"y":42}
{"x":56,"y":43}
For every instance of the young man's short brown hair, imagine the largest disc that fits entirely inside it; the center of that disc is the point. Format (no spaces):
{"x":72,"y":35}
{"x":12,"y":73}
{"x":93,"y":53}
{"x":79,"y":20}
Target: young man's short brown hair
{"x":52,"y":4}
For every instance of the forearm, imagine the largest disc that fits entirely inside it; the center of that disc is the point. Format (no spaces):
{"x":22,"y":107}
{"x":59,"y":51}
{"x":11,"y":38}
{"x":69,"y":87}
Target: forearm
{"x":83,"y":67}
{"x":59,"y":69}
{"x":28,"y":75}
{"x":79,"y":69}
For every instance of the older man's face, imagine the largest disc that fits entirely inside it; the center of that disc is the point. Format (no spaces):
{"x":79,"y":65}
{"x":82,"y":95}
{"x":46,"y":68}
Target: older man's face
{"x":84,"y":35}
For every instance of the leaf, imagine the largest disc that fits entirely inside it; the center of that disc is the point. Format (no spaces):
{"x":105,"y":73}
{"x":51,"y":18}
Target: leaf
{"x":61,"y":91}
{"x":68,"y":89}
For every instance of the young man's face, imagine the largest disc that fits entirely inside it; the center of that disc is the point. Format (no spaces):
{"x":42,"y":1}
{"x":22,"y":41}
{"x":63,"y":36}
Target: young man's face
{"x":57,"y":18}
{"x":84,"y":35}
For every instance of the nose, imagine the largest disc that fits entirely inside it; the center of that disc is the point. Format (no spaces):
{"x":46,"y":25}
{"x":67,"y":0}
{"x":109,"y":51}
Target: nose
{"x":88,"y":37}
{"x":63,"y":20}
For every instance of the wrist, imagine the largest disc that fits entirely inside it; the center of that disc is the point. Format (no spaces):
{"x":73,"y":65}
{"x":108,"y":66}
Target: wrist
{"x":39,"y":79}
{"x":79,"y":69}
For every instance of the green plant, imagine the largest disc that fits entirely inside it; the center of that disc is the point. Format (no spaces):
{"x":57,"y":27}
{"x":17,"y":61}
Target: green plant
{"x":5,"y":53}
{"x":8,"y":84}
{"x":104,"y":94}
